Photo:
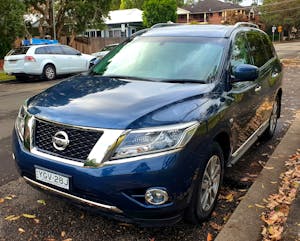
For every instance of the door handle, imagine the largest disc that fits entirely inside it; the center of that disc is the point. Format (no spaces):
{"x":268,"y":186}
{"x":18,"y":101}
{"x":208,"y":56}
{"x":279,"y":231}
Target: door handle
{"x":257,"y":88}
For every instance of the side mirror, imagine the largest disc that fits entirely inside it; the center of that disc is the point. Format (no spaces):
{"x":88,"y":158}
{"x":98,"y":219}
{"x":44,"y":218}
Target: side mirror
{"x":245,"y":72}
{"x":78,"y":53}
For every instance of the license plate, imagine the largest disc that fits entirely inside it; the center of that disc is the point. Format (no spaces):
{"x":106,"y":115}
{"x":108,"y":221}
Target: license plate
{"x":52,"y":178}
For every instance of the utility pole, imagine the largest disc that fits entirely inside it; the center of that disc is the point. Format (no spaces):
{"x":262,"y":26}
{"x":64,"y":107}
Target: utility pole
{"x":53,"y":21}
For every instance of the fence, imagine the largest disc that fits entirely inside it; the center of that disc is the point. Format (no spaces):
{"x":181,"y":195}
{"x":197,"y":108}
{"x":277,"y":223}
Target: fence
{"x":91,"y":45}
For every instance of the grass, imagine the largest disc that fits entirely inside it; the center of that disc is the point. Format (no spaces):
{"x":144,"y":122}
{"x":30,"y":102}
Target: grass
{"x":5,"y":77}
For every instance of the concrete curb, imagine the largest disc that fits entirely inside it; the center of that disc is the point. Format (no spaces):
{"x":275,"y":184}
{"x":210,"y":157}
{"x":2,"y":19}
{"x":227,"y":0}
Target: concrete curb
{"x":245,"y":223}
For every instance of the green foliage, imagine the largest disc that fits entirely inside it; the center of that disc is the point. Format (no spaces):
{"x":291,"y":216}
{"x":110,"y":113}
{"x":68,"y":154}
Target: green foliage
{"x":281,"y":12}
{"x":159,"y":11}
{"x":127,"y":4}
{"x":115,"y":4}
{"x":11,"y":24}
{"x":71,"y":16}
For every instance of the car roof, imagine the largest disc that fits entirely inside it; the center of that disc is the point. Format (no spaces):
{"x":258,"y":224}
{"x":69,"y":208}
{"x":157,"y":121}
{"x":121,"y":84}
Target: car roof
{"x":185,"y":30}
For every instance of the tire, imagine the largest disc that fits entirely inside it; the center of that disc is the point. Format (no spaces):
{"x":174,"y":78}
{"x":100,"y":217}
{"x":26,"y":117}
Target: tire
{"x":207,"y":188}
{"x":269,"y":132}
{"x":49,"y":72}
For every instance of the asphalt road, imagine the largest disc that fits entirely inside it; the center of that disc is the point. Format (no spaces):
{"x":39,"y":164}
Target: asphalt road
{"x":59,"y":221}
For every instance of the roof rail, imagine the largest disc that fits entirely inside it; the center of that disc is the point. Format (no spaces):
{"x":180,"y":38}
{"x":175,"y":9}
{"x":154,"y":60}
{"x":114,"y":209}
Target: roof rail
{"x":168,"y":24}
{"x":245,"y":24}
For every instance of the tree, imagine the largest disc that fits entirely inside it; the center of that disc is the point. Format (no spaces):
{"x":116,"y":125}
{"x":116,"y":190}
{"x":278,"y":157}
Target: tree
{"x":71,"y":16}
{"x":127,"y":4}
{"x":11,"y":24}
{"x":234,"y":1}
{"x":281,"y":12}
{"x":159,"y":11}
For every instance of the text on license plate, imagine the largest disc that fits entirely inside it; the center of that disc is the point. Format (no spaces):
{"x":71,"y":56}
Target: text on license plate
{"x":52,"y":178}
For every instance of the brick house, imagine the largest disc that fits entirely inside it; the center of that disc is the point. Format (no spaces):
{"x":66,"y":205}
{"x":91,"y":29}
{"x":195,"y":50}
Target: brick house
{"x":213,"y":12}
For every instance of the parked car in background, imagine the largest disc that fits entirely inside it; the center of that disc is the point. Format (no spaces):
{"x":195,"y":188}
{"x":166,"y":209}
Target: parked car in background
{"x":147,"y":134}
{"x":104,"y":51}
{"x":46,"y":61}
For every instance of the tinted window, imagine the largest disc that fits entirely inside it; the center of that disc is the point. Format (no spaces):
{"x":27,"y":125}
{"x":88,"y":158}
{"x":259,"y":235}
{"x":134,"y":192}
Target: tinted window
{"x":240,"y":53}
{"x":41,"y":50}
{"x":257,"y":49}
{"x":21,"y":50}
{"x":55,"y":50}
{"x":69,"y":51}
{"x":165,"y":58}
{"x":268,"y":46}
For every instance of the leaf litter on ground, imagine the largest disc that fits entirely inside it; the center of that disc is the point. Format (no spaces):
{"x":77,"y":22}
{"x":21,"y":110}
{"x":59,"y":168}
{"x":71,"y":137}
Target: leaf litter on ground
{"x":278,"y":205}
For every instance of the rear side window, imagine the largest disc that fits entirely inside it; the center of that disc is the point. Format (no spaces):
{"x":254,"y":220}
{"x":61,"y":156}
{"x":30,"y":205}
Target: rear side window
{"x":21,"y":50}
{"x":41,"y":50}
{"x":257,"y":49}
{"x":55,"y":50}
{"x":240,"y":53}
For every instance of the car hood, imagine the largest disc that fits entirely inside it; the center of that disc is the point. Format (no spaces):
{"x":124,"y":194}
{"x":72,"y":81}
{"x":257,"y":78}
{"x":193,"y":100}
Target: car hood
{"x":101,"y":102}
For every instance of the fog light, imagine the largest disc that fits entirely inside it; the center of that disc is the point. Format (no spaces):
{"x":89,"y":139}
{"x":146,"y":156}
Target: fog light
{"x":156,"y":196}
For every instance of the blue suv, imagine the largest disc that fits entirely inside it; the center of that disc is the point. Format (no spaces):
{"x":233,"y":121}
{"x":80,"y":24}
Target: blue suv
{"x":146,"y":135}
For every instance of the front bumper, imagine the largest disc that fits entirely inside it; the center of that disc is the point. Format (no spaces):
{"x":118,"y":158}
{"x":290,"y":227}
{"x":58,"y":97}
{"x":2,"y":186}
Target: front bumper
{"x":118,"y":190}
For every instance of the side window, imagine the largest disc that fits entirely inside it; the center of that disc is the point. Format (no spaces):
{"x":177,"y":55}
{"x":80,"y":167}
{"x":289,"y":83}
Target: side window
{"x":268,"y":46}
{"x":240,"y":54}
{"x":41,"y":50}
{"x":69,"y":51}
{"x":257,"y":49}
{"x":55,"y":50}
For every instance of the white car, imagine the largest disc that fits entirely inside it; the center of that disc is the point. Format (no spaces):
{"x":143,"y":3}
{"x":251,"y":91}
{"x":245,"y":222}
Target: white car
{"x":104,"y":51}
{"x":46,"y":61}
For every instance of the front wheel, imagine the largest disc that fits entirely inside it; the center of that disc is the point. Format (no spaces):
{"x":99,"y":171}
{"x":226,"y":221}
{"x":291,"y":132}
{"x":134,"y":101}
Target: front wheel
{"x":206,"y":191}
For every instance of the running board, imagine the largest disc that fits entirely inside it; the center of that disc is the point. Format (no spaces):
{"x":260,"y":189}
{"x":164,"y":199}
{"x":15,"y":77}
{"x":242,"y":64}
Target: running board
{"x":247,"y":144}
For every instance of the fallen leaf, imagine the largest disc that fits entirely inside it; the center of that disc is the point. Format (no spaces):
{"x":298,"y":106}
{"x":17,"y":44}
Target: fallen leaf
{"x":229,"y":197}
{"x":268,"y":168}
{"x":250,"y":206}
{"x":8,"y":198}
{"x":63,"y":234}
{"x":21,"y":230}
{"x":41,"y":201}
{"x":2,"y":200}
{"x":25,"y":215}
{"x":12,"y":217}
{"x":209,"y":237}
{"x":273,"y":182}
{"x":151,"y":239}
{"x":68,"y":239}
{"x":215,"y":226}
{"x":37,"y":221}
{"x":259,"y":206}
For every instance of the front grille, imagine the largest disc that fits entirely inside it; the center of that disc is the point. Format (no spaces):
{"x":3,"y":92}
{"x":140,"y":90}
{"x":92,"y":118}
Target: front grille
{"x":81,"y":141}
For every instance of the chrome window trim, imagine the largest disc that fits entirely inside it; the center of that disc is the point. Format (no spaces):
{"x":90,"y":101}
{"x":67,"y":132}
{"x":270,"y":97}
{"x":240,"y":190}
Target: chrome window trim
{"x":82,"y":200}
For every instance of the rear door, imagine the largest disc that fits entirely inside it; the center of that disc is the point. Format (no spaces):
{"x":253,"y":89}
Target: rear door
{"x":14,"y":60}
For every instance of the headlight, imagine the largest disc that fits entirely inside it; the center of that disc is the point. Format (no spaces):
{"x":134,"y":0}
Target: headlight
{"x":20,"y":122}
{"x":158,"y":139}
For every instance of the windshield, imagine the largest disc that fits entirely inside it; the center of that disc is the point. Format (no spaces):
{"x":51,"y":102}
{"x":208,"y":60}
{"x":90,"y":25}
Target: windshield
{"x":164,"y":58}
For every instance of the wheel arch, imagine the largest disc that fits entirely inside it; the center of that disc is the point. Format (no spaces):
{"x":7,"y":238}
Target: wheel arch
{"x":279,"y":94}
{"x":223,"y":139}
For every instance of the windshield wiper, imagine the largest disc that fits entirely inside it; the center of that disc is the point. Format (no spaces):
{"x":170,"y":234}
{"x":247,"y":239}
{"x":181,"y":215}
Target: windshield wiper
{"x":128,"y":77}
{"x":185,"y":81}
